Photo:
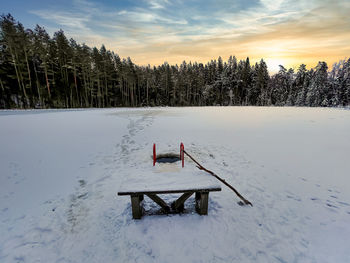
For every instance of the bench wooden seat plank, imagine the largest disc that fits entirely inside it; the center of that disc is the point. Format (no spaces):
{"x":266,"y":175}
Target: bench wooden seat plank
{"x":177,"y":191}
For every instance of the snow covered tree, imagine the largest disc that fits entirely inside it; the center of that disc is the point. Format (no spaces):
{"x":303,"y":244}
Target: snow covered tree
{"x":317,"y":94}
{"x":301,"y":85}
{"x":259,"y":93}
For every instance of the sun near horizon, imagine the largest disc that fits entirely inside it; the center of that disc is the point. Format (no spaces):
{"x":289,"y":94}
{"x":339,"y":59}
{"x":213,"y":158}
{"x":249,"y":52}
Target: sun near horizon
{"x":282,"y":32}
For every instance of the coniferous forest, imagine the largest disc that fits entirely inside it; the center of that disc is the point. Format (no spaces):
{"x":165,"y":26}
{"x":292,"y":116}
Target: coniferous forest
{"x":39,"y":71}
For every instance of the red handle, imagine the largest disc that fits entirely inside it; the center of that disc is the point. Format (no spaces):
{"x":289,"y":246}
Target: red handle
{"x":182,"y":148}
{"x":154,"y":154}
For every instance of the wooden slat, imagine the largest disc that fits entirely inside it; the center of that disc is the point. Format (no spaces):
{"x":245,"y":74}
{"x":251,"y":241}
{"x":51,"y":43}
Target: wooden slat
{"x":209,"y":189}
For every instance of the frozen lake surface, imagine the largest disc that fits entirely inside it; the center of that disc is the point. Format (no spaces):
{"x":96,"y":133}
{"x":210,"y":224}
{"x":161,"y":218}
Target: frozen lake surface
{"x":60,"y":171}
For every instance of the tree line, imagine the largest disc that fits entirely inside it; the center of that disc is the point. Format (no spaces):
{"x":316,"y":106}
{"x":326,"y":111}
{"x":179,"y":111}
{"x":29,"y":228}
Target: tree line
{"x":39,"y":71}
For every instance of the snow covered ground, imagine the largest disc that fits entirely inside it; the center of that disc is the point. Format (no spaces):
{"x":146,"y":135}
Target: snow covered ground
{"x":60,"y":171}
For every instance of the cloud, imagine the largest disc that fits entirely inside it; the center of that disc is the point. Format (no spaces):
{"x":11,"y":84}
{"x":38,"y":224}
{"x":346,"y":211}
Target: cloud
{"x":272,"y":4}
{"x":157,"y":4}
{"x":65,"y":19}
{"x":148,"y":17}
{"x":154,"y":31}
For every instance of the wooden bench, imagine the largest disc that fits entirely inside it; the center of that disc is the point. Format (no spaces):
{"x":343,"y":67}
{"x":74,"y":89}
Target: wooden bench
{"x":201,"y":197}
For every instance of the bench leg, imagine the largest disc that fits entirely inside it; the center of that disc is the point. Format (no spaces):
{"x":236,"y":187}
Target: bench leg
{"x":136,"y":206}
{"x":202,"y":199}
{"x":198,"y":197}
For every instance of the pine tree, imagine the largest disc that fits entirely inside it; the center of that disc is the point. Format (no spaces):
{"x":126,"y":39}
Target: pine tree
{"x":301,"y":85}
{"x":317,"y":93}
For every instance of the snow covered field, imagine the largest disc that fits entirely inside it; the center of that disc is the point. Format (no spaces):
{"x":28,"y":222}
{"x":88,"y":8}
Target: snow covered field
{"x":60,"y":171}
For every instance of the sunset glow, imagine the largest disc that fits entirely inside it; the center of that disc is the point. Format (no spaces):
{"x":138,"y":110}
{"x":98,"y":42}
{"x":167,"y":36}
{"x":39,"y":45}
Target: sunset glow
{"x":154,"y":31}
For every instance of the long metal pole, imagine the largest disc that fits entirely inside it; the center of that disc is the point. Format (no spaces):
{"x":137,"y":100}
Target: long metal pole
{"x":199,"y":166}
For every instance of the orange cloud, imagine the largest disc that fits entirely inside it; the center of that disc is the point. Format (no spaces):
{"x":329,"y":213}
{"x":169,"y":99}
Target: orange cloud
{"x":323,"y":34}
{"x":288,"y":32}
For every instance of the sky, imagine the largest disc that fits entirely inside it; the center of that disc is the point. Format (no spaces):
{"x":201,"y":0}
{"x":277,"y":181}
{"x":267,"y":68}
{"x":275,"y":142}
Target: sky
{"x":287,"y":32}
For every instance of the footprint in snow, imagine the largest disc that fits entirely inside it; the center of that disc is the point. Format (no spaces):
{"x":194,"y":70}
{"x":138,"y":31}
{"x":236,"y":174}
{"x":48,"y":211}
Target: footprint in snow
{"x":258,"y":188}
{"x":330,"y":205}
{"x":294,"y":198}
{"x":19,"y":259}
{"x":343,"y":203}
{"x":317,"y":200}
{"x":82,"y":183}
{"x":43,"y":230}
